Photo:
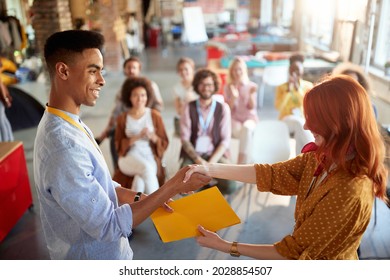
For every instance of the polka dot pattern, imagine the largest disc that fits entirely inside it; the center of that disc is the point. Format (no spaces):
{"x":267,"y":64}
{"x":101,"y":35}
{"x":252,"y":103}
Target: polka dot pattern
{"x":331,"y":219}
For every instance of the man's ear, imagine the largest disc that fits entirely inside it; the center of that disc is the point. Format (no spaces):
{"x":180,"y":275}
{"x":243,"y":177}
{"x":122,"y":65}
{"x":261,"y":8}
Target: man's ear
{"x":62,"y":70}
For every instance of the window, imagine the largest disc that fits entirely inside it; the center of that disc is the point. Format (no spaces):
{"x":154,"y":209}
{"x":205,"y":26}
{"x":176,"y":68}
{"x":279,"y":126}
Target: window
{"x":382,"y":44}
{"x":318,"y":20}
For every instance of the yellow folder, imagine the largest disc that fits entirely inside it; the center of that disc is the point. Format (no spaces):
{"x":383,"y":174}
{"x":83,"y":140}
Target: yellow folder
{"x":207,"y":208}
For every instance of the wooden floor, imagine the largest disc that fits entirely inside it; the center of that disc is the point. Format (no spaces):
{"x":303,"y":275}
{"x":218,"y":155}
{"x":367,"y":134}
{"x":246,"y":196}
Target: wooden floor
{"x":265,"y":218}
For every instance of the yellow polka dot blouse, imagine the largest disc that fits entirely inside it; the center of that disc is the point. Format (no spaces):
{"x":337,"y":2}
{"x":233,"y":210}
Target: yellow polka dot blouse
{"x":331,"y":219}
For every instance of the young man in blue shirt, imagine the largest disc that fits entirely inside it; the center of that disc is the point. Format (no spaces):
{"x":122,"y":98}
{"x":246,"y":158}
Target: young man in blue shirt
{"x":85,"y":214}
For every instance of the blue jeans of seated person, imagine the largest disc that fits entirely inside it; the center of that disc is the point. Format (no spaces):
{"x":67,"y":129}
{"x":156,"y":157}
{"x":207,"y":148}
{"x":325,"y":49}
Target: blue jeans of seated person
{"x":225,"y":186}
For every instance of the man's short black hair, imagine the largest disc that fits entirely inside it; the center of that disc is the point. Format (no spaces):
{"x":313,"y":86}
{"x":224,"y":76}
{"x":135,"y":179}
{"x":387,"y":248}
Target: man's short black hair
{"x":60,"y":46}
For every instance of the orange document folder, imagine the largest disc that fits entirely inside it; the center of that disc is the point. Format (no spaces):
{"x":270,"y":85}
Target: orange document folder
{"x":207,"y":208}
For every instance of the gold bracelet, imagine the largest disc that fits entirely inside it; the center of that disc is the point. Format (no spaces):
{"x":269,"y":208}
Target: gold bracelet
{"x":234,"y":251}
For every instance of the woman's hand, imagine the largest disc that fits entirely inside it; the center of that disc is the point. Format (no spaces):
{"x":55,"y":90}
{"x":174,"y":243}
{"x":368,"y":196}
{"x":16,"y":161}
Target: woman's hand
{"x":212,"y":240}
{"x":196,"y":168}
{"x":152,"y":137}
{"x":144,"y":133}
{"x":234,"y":91}
{"x":293,"y":81}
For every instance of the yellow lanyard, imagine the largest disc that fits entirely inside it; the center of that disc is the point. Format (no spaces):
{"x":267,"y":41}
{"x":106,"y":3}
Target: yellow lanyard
{"x":65,"y":117}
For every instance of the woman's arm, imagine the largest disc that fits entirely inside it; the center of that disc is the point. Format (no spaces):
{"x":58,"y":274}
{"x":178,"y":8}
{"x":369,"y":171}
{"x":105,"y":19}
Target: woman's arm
{"x":122,"y":142}
{"x":178,"y":105}
{"x":120,"y":136}
{"x":252,"y":97}
{"x":231,"y":93}
{"x":244,"y":173}
{"x":217,"y":154}
{"x":161,"y":140}
{"x":257,"y":251}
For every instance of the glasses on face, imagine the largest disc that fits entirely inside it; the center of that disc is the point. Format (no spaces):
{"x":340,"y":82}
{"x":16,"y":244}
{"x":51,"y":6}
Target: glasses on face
{"x":209,"y":85}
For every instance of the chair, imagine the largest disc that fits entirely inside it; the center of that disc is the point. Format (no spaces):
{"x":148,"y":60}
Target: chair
{"x":272,"y":76}
{"x":233,"y":148}
{"x":25,"y":112}
{"x":271,"y":142}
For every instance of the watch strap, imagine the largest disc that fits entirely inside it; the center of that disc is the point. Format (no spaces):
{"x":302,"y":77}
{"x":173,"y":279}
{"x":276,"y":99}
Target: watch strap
{"x":234,"y":250}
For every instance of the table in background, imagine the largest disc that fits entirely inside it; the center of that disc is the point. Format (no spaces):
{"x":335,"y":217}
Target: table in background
{"x":15,"y":192}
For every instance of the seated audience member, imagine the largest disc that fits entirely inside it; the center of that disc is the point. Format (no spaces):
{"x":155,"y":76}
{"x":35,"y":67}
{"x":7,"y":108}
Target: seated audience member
{"x":241,"y":95}
{"x":205,"y":127}
{"x":140,"y":139}
{"x":356,"y":72}
{"x":183,"y":90}
{"x":289,"y":102}
{"x":131,"y":68}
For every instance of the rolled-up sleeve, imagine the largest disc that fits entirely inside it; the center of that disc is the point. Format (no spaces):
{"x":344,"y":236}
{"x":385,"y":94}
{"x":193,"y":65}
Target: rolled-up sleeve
{"x":283,"y":178}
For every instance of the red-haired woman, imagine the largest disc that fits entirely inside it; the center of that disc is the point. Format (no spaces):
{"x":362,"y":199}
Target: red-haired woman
{"x":335,"y":179}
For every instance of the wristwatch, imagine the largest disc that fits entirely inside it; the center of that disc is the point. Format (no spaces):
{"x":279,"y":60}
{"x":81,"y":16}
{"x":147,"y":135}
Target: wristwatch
{"x":234,"y":251}
{"x":137,"y":197}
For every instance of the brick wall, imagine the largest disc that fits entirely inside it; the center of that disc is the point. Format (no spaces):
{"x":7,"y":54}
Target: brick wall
{"x":111,"y":29}
{"x":49,"y":17}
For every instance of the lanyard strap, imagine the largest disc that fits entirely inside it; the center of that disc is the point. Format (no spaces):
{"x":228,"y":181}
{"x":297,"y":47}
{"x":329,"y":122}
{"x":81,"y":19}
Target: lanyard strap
{"x":65,"y":117}
{"x":205,"y":124}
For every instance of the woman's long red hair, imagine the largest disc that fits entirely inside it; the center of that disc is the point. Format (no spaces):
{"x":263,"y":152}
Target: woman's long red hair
{"x":339,"y":109}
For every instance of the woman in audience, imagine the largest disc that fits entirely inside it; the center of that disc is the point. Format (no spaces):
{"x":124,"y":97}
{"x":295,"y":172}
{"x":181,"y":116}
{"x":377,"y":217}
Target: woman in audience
{"x":289,"y":102}
{"x":183,"y":90}
{"x":140,"y":139}
{"x":335,"y":180}
{"x":241,"y":95}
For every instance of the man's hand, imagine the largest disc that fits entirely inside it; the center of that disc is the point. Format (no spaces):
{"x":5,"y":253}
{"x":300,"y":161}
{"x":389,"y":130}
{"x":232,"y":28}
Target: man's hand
{"x":193,"y":183}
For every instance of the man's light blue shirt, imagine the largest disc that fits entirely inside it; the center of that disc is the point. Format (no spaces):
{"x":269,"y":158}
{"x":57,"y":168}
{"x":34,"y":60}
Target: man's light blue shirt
{"x":80,"y":214}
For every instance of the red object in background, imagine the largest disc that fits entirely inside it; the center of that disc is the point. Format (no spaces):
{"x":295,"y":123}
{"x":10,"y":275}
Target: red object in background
{"x":214,"y":53}
{"x":154,"y":36}
{"x":222,"y":77}
{"x":15,"y":192}
{"x":273,"y":56}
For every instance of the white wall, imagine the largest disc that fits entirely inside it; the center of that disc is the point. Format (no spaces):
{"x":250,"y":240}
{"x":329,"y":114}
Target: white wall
{"x":381,"y":89}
